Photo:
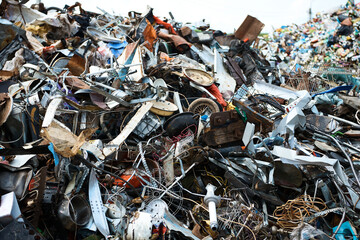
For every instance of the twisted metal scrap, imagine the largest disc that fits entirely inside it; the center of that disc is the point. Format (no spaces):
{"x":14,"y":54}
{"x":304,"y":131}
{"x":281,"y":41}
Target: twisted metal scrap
{"x":293,"y":212}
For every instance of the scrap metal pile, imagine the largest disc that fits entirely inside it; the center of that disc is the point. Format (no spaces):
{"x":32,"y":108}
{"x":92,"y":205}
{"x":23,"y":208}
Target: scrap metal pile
{"x":140,"y":127}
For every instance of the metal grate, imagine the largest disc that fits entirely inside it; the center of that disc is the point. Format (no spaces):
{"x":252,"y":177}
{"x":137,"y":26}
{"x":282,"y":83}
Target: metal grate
{"x":311,"y":78}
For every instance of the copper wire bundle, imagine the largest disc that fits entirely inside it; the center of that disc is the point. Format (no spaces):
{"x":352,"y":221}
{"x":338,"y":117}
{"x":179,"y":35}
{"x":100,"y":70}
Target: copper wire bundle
{"x":290,"y":214}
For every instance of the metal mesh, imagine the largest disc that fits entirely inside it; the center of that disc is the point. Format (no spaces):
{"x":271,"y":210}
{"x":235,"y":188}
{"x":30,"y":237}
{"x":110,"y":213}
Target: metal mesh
{"x":311,"y":79}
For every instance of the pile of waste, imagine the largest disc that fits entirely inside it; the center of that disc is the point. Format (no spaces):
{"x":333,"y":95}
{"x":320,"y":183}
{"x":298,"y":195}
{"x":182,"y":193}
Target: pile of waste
{"x":326,"y":45}
{"x":143,"y":127}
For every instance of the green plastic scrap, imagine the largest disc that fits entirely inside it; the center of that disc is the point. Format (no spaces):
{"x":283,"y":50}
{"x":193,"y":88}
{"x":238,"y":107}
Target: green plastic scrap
{"x":242,"y":114}
{"x":346,"y":78}
{"x":337,"y":133}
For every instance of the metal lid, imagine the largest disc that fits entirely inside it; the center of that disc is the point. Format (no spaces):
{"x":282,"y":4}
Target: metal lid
{"x":199,"y":77}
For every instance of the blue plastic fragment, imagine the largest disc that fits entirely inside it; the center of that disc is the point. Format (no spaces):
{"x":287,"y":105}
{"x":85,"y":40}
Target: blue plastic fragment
{"x":117,"y":48}
{"x":335,"y":89}
{"x":52,"y":150}
{"x":345,"y":232}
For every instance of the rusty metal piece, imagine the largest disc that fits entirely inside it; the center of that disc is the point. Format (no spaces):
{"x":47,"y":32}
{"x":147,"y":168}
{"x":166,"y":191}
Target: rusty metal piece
{"x":76,"y":65}
{"x":127,"y":156}
{"x":249,"y":29}
{"x":230,"y":133}
{"x":180,"y":43}
{"x":185,"y":31}
{"x":260,"y":121}
{"x":219,"y":119}
{"x":197,"y":231}
{"x":75,"y":83}
{"x":229,"y":127}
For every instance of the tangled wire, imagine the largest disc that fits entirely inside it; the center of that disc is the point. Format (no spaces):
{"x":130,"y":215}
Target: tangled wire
{"x":290,"y":214}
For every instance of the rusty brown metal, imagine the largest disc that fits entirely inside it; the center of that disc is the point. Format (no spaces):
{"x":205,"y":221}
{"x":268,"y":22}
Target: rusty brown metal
{"x":180,"y":43}
{"x":185,"y":31}
{"x":221,"y":118}
{"x":258,"y":119}
{"x":227,"y":127}
{"x":229,"y":133}
{"x":76,"y":65}
{"x":249,"y":29}
{"x":75,"y":82}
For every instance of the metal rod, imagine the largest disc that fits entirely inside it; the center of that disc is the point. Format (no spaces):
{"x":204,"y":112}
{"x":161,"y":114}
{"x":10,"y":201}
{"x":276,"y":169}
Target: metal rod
{"x":177,"y":180}
{"x":344,"y":211}
{"x":346,"y":155}
{"x":344,"y":121}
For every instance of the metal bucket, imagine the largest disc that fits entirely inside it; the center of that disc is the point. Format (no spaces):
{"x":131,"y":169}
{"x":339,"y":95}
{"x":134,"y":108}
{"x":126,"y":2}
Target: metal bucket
{"x":74,"y":212}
